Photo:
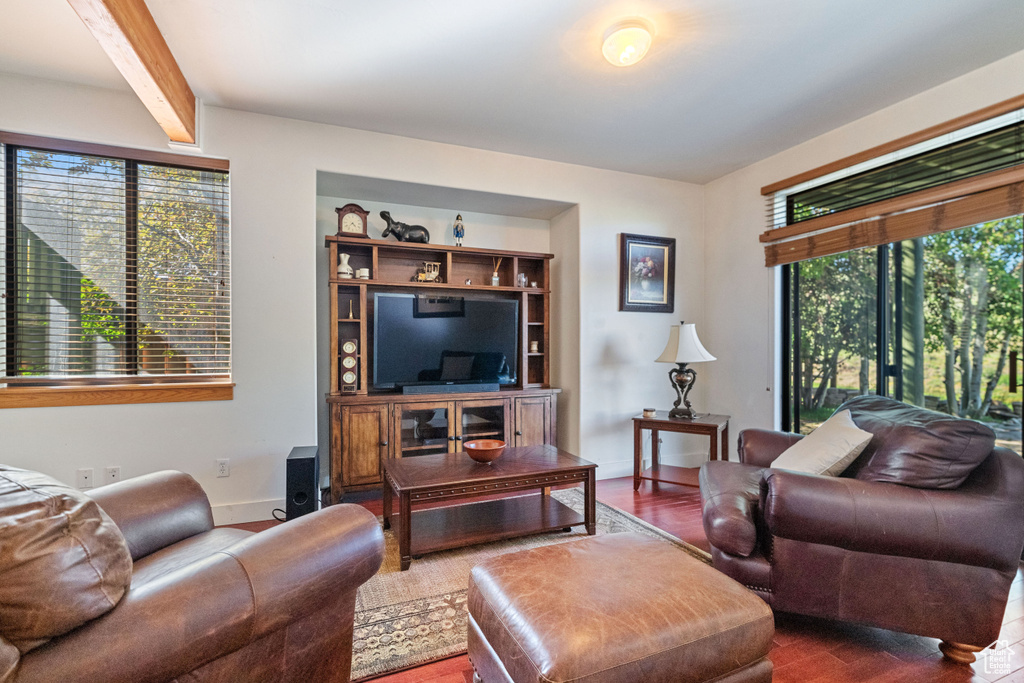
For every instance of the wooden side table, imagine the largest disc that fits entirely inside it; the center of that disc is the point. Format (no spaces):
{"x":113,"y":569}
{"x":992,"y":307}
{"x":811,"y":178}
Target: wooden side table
{"x":710,"y":425}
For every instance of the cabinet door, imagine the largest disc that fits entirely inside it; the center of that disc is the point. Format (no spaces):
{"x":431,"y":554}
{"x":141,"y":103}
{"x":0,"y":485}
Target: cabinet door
{"x":484,"y":419}
{"x":423,"y":428}
{"x":534,"y":421}
{"x":364,"y":441}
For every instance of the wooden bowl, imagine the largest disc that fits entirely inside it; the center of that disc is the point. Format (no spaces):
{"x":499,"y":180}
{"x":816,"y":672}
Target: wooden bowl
{"x":484,"y":450}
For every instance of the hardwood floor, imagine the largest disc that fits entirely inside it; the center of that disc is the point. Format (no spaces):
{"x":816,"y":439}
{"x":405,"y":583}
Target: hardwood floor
{"x":805,"y":650}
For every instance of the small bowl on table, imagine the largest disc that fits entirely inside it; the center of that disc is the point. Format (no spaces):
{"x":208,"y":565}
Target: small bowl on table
{"x":484,"y":450}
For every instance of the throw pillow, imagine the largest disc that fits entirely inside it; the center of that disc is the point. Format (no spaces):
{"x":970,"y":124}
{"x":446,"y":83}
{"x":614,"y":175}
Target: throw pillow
{"x":827,"y":450}
{"x":918,"y":447}
{"x":64,"y":561}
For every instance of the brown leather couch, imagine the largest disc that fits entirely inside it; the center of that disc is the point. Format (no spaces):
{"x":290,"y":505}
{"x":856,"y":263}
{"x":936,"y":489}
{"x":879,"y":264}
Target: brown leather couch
{"x":142,"y":587}
{"x":921,"y":534}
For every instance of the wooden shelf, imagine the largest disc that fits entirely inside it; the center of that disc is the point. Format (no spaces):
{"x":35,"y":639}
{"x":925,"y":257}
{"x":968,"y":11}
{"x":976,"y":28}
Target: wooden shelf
{"x":458,"y":525}
{"x":399,"y":397}
{"x":415,"y":246}
{"x":349,"y":320}
{"x":480,"y":435}
{"x":436,"y":285}
{"x":670,"y":474}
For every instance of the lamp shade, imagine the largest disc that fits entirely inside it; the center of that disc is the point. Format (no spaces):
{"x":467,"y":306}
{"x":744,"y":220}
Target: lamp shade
{"x":684,"y":346}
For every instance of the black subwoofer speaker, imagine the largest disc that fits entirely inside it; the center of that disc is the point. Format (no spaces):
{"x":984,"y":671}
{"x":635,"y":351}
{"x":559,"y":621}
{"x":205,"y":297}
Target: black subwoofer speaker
{"x":301,"y":482}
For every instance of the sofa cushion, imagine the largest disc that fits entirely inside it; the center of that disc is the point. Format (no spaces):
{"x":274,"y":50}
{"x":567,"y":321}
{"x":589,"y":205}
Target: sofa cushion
{"x":827,"y":450}
{"x":64,"y":561}
{"x":917,"y":447}
{"x":620,"y":607}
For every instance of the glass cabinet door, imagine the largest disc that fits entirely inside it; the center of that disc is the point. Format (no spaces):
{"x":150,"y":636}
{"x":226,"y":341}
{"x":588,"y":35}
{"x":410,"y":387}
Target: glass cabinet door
{"x":483,"y":420}
{"x":422,"y":429}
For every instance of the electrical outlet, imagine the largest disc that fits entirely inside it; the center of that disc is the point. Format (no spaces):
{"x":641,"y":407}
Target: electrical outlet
{"x":85,"y":478}
{"x":112,"y":474}
{"x":224,"y":467}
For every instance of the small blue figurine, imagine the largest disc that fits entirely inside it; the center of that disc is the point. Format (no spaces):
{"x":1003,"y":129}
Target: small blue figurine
{"x":459,"y":230}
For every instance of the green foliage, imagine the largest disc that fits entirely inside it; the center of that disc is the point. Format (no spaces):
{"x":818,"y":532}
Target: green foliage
{"x":837,"y":317}
{"x":974,"y":313}
{"x":102,"y":316}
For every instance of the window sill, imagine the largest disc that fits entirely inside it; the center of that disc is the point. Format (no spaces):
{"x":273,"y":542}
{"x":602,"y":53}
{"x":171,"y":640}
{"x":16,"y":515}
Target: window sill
{"x":120,"y":394}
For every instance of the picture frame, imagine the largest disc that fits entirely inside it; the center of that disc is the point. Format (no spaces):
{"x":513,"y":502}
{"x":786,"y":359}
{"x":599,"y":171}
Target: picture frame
{"x":647,"y":273}
{"x":432,"y":306}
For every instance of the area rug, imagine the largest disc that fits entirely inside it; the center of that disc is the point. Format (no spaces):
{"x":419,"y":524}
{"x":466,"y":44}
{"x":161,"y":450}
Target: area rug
{"x":405,"y":619}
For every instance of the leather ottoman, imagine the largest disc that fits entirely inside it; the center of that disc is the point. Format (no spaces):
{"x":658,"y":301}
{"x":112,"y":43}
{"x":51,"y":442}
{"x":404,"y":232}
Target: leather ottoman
{"x":621,"y":607}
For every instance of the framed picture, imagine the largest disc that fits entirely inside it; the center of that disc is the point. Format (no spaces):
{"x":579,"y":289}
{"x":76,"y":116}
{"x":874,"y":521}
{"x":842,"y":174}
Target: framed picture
{"x":431,"y":306}
{"x":647,"y":273}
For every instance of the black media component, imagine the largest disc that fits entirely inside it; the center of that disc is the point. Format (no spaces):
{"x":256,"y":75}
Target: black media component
{"x":450,"y":388}
{"x":444,"y":341}
{"x":301,"y":481}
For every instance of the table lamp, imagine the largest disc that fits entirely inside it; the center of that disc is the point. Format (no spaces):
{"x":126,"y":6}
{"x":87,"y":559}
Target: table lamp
{"x":683,"y":347}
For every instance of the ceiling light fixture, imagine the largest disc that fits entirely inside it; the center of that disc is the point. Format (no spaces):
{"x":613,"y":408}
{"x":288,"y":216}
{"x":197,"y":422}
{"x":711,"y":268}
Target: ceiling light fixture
{"x":627,"y":42}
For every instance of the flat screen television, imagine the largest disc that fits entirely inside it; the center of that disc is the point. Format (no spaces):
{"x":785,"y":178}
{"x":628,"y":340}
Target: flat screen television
{"x":432,"y":339}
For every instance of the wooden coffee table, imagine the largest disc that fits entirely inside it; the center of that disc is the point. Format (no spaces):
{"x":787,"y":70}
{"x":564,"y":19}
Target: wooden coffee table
{"x":454,"y":476}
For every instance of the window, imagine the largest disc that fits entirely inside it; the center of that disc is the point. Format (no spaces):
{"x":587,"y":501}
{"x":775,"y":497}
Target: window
{"x":116,"y":268}
{"x":930,"y":321}
{"x":902,"y":274}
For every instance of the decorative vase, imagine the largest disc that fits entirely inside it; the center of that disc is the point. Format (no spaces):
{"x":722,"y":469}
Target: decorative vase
{"x":344,"y":269}
{"x":645,"y":284}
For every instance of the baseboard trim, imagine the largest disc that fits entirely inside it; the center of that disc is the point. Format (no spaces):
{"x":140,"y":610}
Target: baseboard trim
{"x":237,"y":513}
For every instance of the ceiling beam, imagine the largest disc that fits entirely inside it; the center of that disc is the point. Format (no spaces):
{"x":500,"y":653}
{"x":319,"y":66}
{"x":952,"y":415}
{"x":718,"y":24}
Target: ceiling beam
{"x":127,"y":33}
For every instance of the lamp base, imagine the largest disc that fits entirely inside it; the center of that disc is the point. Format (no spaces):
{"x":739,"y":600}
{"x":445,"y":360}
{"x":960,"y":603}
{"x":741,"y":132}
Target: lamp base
{"x":682,"y":379}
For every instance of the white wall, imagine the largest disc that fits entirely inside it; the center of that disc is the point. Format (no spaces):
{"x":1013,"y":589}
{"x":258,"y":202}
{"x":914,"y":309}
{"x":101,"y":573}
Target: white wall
{"x":739,"y":291}
{"x":275,"y":247}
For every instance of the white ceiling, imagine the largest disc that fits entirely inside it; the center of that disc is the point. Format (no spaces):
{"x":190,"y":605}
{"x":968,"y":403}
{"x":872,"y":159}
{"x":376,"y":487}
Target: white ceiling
{"x":727,"y":82}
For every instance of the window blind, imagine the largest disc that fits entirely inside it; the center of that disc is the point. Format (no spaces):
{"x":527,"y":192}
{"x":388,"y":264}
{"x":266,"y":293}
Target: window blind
{"x":115,"y":270}
{"x":954,"y":181}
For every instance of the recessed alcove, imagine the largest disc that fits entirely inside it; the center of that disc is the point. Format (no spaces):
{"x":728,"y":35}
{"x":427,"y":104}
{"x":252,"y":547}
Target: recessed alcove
{"x":492,"y":220}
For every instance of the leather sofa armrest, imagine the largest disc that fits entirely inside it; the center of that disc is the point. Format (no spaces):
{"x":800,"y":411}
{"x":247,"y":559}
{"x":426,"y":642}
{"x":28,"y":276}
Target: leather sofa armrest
{"x":762,"y":446}
{"x":729,"y":494}
{"x":156,"y":510}
{"x":294,"y":565}
{"x":968,"y":527}
{"x":219,"y":604}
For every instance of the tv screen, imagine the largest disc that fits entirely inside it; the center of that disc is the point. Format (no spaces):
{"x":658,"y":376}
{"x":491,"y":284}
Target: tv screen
{"x":430,"y":339}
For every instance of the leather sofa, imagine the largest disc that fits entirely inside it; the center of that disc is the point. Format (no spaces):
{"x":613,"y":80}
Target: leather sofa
{"x":132,"y":582}
{"x":921,"y":534}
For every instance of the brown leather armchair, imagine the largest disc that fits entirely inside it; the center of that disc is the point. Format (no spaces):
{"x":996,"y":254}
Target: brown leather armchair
{"x":936,"y":562}
{"x":203,"y":604}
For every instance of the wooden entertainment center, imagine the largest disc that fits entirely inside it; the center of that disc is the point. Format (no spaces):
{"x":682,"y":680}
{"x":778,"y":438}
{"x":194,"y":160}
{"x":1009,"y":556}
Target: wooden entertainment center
{"x":368,"y":426}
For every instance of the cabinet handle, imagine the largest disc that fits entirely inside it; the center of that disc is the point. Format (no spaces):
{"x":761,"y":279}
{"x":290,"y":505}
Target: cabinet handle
{"x":383,"y":443}
{"x":451,"y":438}
{"x":518,"y":433}
{"x":458,"y":438}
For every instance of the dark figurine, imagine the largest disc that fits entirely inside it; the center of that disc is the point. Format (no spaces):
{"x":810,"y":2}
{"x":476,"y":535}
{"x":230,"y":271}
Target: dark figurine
{"x":404,"y":232}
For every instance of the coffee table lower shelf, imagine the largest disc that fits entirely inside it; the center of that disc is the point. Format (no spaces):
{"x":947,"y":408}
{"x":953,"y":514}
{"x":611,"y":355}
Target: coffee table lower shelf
{"x":490,"y":520}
